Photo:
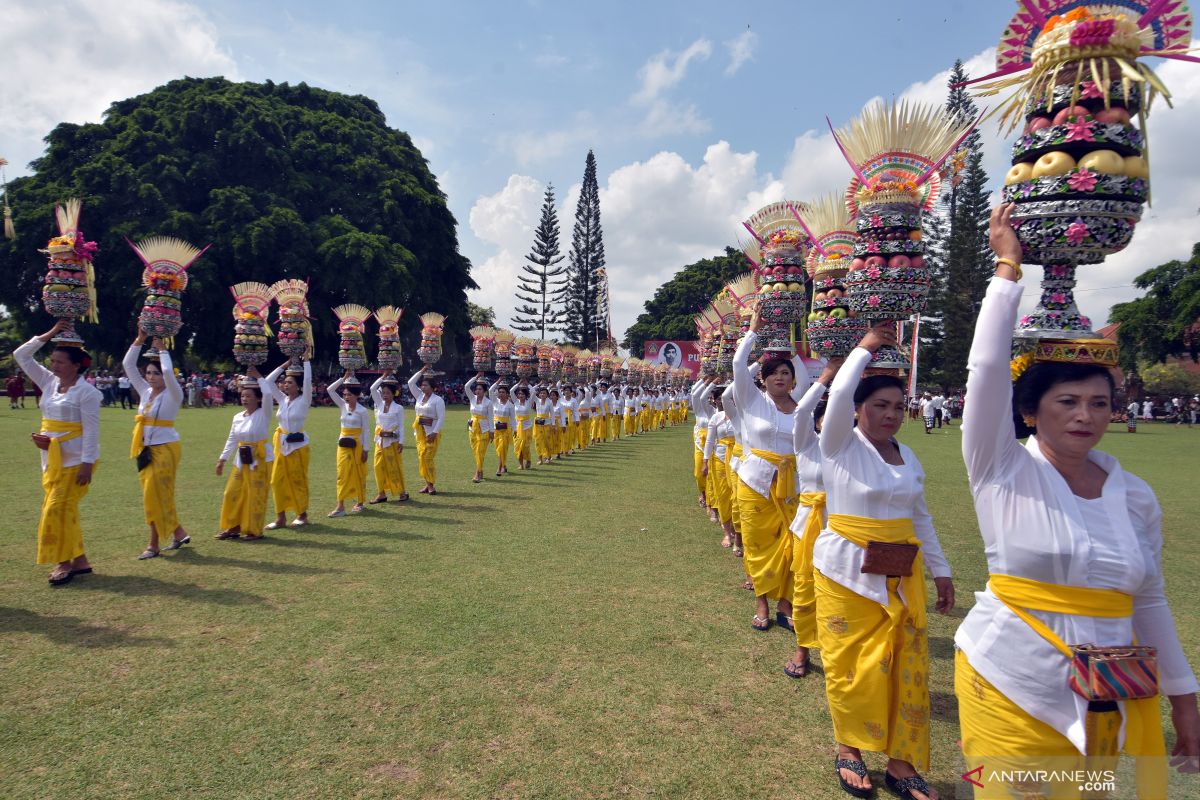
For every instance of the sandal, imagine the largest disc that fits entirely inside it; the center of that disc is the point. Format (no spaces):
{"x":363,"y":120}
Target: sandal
{"x":60,"y":578}
{"x":381,"y":499}
{"x":357,"y":508}
{"x":760,"y":623}
{"x":178,"y":543}
{"x":784,"y":621}
{"x":227,"y":535}
{"x":252,"y":537}
{"x":794,"y":670}
{"x":903,"y":787}
{"x":148,"y":553}
{"x":84,"y":571}
{"x":337,"y":512}
{"x":859,"y":769}
{"x":273,"y":526}
{"x":748,"y":585}
{"x":299,"y":523}
{"x":402,"y":498}
{"x":739,"y":552}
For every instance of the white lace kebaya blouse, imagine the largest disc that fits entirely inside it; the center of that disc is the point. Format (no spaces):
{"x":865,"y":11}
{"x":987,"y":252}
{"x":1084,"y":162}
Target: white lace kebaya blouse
{"x":1034,"y":526}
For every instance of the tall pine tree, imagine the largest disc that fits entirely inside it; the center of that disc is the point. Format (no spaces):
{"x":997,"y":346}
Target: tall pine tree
{"x":541,"y":286}
{"x":967,"y":262}
{"x":586,"y":323}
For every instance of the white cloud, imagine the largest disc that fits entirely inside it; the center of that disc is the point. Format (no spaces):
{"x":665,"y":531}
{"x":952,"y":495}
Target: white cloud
{"x":741,"y":50}
{"x":664,"y":118}
{"x":118,"y":49}
{"x":533,"y":147}
{"x":667,"y":69}
{"x":662,"y":213}
{"x":506,"y":221}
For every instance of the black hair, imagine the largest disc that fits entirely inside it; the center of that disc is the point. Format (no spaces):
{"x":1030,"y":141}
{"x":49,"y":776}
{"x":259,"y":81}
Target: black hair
{"x":431,"y":381}
{"x":256,"y":389}
{"x":520,"y":389}
{"x":819,"y":411}
{"x":79,"y":357}
{"x":874,"y":383}
{"x":772,"y":364}
{"x":349,"y":387}
{"x":1039,"y":379}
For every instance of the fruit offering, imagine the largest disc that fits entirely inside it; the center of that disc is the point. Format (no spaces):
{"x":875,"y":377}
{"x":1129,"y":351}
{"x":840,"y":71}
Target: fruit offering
{"x":352,"y":348}
{"x":1079,"y":177}
{"x":389,"y":354}
{"x":556,"y":364}
{"x":544,"y":350}
{"x":432,"y":324}
{"x":483,"y":347}
{"x":607,"y":357}
{"x":251,"y":303}
{"x":504,"y":353}
{"x":570,"y":364}
{"x":833,"y":328}
{"x":895,"y":150}
{"x":526,"y":357}
{"x":69,"y":292}
{"x":294,"y":329}
{"x":783,"y":249}
{"x":166,"y":260}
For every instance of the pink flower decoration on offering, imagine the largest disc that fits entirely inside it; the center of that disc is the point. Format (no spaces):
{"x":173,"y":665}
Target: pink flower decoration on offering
{"x":1058,"y":297}
{"x":1082,"y":181}
{"x":873,"y":273}
{"x":1026,"y":320}
{"x":1058,"y":271}
{"x":1085,"y":321}
{"x":1077,"y":232}
{"x":827,"y":344}
{"x":1079,"y":130}
{"x":872,"y":247}
{"x":873,"y":300}
{"x":1090,"y":91}
{"x":876,"y":221}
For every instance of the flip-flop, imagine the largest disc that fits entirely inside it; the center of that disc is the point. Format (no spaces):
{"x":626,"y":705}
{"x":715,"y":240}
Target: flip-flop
{"x":376,"y":501}
{"x":902,"y":787}
{"x":273,"y":526}
{"x":784,"y":621}
{"x":147,"y":554}
{"x":336,"y":513}
{"x":299,"y":523}
{"x":766,"y":623}
{"x":177,"y":543}
{"x":859,"y":769}
{"x":227,"y":535}
{"x":84,"y":571}
{"x":62,"y":580}
{"x":794,"y":670}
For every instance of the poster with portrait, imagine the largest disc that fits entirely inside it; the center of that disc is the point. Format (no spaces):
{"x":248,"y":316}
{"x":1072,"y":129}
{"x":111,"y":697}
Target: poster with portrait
{"x":674,"y":354}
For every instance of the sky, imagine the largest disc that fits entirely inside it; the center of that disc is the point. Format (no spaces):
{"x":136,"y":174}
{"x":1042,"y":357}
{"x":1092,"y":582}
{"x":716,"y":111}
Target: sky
{"x":698,"y":112}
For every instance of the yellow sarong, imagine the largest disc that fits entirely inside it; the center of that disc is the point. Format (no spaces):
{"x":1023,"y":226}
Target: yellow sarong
{"x":876,"y":657}
{"x":718,"y":472}
{"x":244,"y":504}
{"x":735,"y":511}
{"x":479,"y":441}
{"x":60,"y":537}
{"x":524,"y":438}
{"x":766,"y":540}
{"x":542,"y":435}
{"x":351,"y":469}
{"x":426,"y":453}
{"x":289,"y":476}
{"x":994,"y":726}
{"x":804,"y":599}
{"x":503,"y":442}
{"x":701,"y":481}
{"x":614,"y":426}
{"x":389,"y":467}
{"x":158,"y":487}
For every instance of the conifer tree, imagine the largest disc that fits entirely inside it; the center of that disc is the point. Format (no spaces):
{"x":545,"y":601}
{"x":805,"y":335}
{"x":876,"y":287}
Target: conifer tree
{"x":541,"y":287}
{"x":585,"y":320}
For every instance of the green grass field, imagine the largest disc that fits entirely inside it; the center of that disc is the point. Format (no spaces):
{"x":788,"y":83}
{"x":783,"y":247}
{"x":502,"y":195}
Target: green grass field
{"x":574,"y":632}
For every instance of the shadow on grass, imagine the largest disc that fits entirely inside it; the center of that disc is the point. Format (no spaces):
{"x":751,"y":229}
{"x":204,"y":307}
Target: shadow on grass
{"x":190,"y":556}
{"x":396,"y":535}
{"x":349,"y":549}
{"x":73,"y":631}
{"x":142,"y":586}
{"x":432,"y":520}
{"x":941,"y":647}
{"x":943,"y":706}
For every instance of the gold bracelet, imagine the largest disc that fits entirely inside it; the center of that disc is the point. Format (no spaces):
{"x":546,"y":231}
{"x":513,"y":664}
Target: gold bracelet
{"x":1015,"y":266}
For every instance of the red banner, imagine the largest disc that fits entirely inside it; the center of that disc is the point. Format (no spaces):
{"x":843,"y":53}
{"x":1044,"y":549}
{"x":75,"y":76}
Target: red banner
{"x":674,"y":354}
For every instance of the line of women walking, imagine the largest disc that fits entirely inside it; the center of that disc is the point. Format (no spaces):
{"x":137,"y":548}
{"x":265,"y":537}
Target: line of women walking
{"x":827,"y":509}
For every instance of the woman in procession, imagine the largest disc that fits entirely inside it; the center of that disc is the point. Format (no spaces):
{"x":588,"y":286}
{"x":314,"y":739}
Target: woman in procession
{"x":701,"y":390}
{"x":352,"y":446}
{"x":718,"y":449}
{"x":429,"y":411}
{"x":244,"y":502}
{"x":543,"y":424}
{"x":870,"y":588}
{"x":767,"y":485}
{"x":289,"y":471}
{"x":810,"y":518}
{"x":69,"y":439}
{"x":1074,"y":551}
{"x":504,"y":424}
{"x":480,"y":429}
{"x":155,"y":444}
{"x":523,"y":410}
{"x":389,"y":440}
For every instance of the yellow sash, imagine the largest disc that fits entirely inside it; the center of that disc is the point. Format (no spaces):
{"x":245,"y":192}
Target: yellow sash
{"x":277,"y":440}
{"x":728,"y":442}
{"x":863,"y":530}
{"x":70,"y":430}
{"x":783,"y":488}
{"x":139,"y":429}
{"x":352,"y":432}
{"x":1021,"y":594}
{"x":379,"y":431}
{"x":476,"y":419}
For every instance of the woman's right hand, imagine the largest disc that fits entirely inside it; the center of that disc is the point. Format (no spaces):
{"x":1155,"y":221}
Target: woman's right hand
{"x":59,"y":325}
{"x":756,"y":316}
{"x":882,"y":334}
{"x":141,"y":338}
{"x":1001,"y":236}
{"x":220,"y":466}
